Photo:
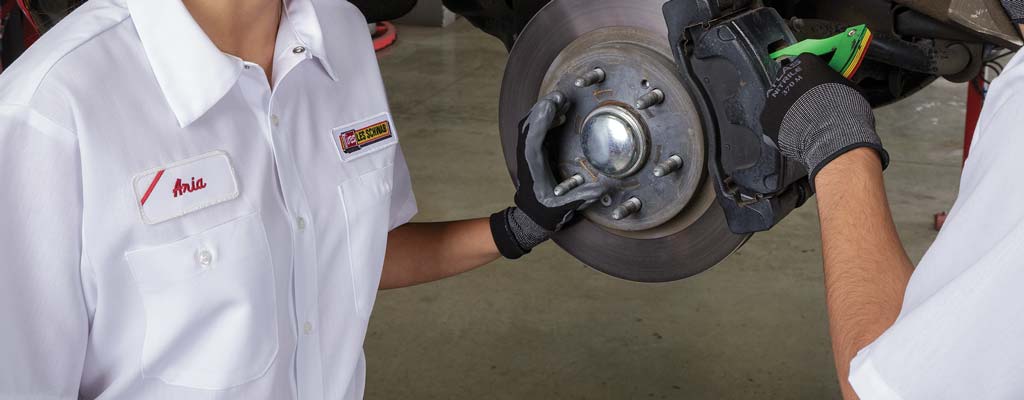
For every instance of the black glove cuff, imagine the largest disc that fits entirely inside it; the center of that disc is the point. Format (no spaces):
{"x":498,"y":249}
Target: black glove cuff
{"x":884,"y":155}
{"x":1015,"y":10}
{"x":504,"y":238}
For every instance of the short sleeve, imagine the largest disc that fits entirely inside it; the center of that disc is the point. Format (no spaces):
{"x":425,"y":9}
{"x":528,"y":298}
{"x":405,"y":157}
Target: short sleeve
{"x":959,"y":333}
{"x":403,"y":201}
{"x":43,"y":319}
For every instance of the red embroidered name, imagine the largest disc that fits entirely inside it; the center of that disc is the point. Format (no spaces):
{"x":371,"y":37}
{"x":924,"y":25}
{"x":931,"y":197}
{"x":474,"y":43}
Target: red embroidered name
{"x":180,"y":188}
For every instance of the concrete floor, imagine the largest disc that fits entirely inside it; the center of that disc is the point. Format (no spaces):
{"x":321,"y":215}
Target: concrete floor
{"x":547,"y":327}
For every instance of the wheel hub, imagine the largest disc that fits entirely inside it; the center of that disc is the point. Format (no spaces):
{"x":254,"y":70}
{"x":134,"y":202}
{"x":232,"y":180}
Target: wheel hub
{"x":633,"y":125}
{"x":629,"y":114}
{"x":614,"y":141}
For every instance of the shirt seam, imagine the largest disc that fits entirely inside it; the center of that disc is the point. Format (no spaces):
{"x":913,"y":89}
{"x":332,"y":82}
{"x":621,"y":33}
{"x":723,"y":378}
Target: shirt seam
{"x":42,"y":79}
{"x":68,"y":134}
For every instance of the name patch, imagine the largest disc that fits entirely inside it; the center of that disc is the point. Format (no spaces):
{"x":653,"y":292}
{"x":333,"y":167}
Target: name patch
{"x":363,"y":137}
{"x":183,"y":187}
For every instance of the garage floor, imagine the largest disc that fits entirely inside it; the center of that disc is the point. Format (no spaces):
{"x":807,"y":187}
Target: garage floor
{"x":547,"y":327}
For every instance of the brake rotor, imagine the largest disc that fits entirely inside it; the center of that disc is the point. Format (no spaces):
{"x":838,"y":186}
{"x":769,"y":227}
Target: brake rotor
{"x":650,"y":227}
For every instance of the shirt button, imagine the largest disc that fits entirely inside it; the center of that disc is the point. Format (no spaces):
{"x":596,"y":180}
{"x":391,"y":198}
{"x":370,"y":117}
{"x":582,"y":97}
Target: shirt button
{"x":301,"y":223}
{"x":299,"y":50}
{"x":205,"y":257}
{"x":274,"y":120}
{"x":307,"y":327}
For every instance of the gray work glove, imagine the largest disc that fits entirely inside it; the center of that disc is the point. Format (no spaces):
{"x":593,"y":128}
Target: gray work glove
{"x":815,"y":115}
{"x":540,"y":212}
{"x":1015,"y":9}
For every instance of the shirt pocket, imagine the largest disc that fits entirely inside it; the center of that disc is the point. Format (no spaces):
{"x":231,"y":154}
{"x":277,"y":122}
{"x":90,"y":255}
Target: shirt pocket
{"x":211,"y":307}
{"x":366,"y":201}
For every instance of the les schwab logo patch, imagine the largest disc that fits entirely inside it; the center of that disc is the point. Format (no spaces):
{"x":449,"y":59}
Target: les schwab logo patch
{"x":355,"y":140}
{"x":364,"y":137}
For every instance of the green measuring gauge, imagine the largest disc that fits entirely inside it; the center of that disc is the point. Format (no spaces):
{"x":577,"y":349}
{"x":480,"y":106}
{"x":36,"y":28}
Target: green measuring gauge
{"x":849,"y":49}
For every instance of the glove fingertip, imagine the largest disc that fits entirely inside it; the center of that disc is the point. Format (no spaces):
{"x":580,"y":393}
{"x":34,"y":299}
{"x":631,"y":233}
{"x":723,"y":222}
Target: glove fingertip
{"x":587,"y":193}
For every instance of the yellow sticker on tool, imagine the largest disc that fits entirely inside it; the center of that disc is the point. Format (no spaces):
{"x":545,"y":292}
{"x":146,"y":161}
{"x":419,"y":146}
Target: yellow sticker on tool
{"x":858,"y":55}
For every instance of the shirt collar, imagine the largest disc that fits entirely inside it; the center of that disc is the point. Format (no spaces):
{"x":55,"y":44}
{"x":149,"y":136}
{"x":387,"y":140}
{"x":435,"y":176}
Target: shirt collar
{"x":302,"y":17}
{"x":192,"y":72}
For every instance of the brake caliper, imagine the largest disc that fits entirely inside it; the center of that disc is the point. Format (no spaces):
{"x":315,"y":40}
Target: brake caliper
{"x":723,"y":54}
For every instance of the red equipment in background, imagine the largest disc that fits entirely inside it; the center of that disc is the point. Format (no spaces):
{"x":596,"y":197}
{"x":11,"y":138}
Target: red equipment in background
{"x":975,"y":101}
{"x":384,"y":36}
{"x":32,"y":24}
{"x":15,"y":13}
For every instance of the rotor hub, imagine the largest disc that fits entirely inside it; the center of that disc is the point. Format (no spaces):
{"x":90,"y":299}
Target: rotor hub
{"x":629,"y":115}
{"x":633,"y":125}
{"x":614,"y":141}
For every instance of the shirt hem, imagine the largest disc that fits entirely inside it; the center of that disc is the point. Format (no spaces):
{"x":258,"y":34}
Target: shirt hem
{"x":867,"y":382}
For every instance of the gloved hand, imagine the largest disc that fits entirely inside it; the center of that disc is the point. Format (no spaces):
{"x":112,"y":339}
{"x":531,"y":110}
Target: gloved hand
{"x":1015,"y":9}
{"x":815,"y":115}
{"x":540,"y":213}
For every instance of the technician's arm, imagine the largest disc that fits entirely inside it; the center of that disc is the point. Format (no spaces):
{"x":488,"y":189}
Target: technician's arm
{"x":821,"y":121}
{"x":421,"y":253}
{"x":866,"y":268}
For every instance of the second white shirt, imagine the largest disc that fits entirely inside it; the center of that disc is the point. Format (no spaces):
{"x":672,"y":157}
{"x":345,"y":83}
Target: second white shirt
{"x":176,"y":227}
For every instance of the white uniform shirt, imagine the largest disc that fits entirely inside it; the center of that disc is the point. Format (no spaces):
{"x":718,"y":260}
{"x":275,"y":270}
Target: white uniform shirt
{"x":960,"y":334}
{"x":174,"y":227}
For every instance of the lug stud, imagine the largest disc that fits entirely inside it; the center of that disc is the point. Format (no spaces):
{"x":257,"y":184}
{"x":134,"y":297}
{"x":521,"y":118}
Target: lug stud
{"x":650,"y":99}
{"x":626,"y":209}
{"x":591,"y":78}
{"x":568,"y":185}
{"x":672,"y":164}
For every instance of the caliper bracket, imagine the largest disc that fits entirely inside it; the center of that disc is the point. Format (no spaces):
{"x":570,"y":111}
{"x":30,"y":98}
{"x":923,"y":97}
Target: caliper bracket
{"x":723,"y":56}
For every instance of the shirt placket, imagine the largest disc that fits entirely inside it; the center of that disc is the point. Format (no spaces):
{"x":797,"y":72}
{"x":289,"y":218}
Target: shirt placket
{"x":308,"y":372}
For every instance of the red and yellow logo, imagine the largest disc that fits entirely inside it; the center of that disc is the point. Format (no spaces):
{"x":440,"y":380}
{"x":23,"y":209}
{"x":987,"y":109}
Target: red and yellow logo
{"x":356,"y":139}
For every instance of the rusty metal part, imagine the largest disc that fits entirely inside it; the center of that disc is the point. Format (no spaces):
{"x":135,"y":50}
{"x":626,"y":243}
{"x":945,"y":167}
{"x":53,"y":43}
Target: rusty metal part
{"x":628,"y":208}
{"x":649,"y":99}
{"x":591,"y":78}
{"x":670,"y":165}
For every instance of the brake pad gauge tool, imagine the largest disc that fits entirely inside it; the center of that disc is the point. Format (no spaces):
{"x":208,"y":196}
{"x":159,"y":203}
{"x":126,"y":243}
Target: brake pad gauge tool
{"x":848,"y":49}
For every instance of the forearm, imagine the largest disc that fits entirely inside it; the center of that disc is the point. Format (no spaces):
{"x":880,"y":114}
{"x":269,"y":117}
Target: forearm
{"x":866,"y":267}
{"x":421,"y":253}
